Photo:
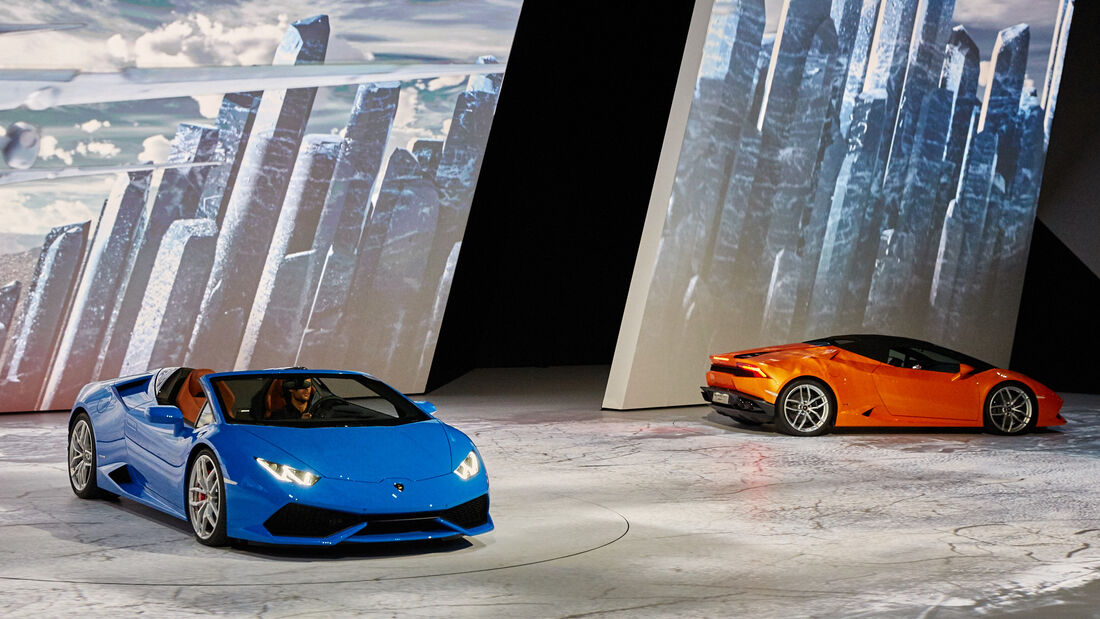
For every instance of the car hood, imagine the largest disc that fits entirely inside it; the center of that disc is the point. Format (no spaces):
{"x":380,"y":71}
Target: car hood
{"x":372,"y":453}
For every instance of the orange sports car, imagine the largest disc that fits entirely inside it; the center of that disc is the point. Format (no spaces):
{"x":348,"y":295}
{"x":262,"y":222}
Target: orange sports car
{"x":874,"y":380}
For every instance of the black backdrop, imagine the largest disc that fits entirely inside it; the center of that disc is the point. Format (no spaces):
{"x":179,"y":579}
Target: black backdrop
{"x":554,"y":228}
{"x":1058,"y":330}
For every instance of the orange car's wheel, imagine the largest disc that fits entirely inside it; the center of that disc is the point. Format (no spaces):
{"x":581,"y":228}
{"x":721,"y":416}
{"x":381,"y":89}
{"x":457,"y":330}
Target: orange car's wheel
{"x":1010,"y":408}
{"x":805,"y":407}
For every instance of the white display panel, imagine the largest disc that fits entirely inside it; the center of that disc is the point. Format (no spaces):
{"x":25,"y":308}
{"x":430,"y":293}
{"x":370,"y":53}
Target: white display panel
{"x":846,"y":166}
{"x":325,"y":230}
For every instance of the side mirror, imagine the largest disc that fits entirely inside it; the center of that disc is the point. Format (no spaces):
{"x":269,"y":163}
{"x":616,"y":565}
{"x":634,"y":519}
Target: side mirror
{"x":164,"y":414}
{"x":964,"y":371}
{"x":425,"y":406}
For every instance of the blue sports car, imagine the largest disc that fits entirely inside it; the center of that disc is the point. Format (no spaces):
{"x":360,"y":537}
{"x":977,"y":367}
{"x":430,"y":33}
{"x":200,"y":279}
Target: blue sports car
{"x":292,"y":456}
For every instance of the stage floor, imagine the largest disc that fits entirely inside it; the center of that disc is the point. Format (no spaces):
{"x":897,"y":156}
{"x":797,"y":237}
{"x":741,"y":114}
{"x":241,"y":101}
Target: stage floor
{"x":669,"y":512}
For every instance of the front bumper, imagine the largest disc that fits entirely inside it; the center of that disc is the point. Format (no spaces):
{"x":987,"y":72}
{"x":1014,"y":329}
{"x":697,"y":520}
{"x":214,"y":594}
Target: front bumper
{"x":738,"y":405}
{"x":334,"y":511}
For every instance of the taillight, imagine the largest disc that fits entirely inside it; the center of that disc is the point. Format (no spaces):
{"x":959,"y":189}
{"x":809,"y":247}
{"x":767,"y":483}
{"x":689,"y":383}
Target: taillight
{"x":752,"y":370}
{"x":744,"y":370}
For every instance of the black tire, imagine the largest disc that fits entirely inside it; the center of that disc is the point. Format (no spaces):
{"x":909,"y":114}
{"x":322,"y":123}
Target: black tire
{"x":82,"y":453}
{"x":205,"y":485}
{"x":805,"y":407}
{"x":1010,"y":408}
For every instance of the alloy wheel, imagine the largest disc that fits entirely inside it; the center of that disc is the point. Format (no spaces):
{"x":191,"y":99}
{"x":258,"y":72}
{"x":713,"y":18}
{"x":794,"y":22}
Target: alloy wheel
{"x":1010,"y":409}
{"x":81,"y":455}
{"x":806,"y":408}
{"x":204,"y":496}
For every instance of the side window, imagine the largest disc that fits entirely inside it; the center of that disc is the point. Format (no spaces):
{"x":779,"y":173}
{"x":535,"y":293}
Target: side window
{"x":896,"y":358}
{"x":922,"y":359}
{"x":937,"y":361}
{"x":908,"y":358}
{"x":871,"y":349}
{"x":206,"y":416}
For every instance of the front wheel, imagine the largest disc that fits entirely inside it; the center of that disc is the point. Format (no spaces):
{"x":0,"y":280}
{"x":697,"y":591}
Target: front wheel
{"x":82,"y":459}
{"x":805,"y":407}
{"x":206,"y":500}
{"x":1010,"y":409}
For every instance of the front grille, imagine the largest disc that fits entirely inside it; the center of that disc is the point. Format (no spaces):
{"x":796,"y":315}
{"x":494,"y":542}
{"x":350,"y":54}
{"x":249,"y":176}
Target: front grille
{"x":403,"y":525}
{"x":296,"y":520}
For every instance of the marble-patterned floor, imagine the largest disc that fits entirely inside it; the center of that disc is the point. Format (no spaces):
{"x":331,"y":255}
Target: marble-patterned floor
{"x":671,"y":512}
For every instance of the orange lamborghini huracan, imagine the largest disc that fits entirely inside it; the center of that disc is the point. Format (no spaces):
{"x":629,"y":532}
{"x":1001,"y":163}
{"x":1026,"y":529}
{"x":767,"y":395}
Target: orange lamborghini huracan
{"x":874,"y":380}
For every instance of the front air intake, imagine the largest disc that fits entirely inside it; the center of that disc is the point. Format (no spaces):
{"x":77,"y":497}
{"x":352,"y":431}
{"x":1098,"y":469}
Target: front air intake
{"x":296,"y":520}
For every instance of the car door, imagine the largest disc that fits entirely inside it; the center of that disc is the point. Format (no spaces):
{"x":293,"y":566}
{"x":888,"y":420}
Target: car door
{"x":923,"y":383}
{"x":158,"y":451}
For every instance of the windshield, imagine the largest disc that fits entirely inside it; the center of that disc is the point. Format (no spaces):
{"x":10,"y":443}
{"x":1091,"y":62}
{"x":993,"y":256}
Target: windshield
{"x":313,"y":400}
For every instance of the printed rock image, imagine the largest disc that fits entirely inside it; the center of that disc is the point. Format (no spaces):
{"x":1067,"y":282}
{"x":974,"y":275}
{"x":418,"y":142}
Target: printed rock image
{"x":875,"y":182}
{"x":333,"y":250}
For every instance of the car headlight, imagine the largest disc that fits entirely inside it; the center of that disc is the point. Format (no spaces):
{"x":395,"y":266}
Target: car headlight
{"x":283,"y":472}
{"x":469,"y":467}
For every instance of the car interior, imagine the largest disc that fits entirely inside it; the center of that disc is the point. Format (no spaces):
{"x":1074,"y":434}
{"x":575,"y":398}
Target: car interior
{"x":183,"y":390}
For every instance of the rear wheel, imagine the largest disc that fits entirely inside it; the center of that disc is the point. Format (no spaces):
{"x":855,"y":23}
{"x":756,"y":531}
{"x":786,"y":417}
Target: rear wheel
{"x":1010,"y":409}
{"x":82,"y":459}
{"x":805,"y":407}
{"x":206,"y":500}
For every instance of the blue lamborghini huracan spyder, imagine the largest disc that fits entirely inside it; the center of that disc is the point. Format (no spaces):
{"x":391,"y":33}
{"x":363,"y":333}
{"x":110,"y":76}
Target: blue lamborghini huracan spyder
{"x":294,"y":456}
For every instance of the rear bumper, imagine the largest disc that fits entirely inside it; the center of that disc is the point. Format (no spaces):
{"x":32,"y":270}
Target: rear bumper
{"x":739,"y":405}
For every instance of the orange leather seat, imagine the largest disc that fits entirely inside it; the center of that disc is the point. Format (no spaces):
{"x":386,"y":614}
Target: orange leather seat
{"x":228,"y":399}
{"x":191,"y":397}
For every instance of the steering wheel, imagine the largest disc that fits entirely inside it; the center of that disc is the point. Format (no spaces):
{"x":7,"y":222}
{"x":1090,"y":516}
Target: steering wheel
{"x":315,"y":410}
